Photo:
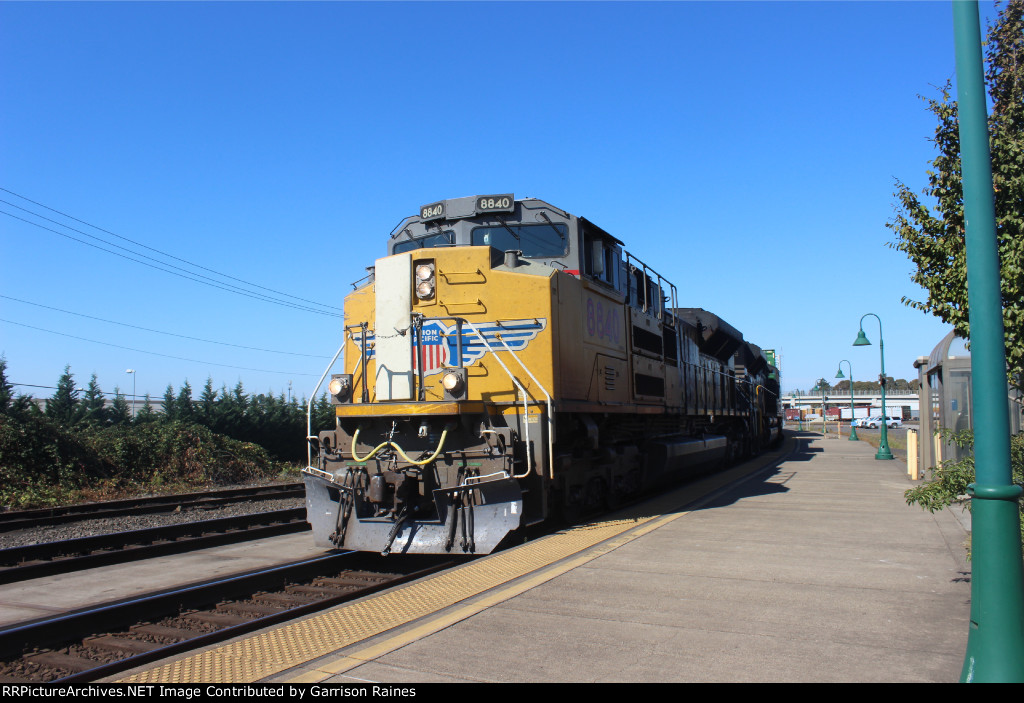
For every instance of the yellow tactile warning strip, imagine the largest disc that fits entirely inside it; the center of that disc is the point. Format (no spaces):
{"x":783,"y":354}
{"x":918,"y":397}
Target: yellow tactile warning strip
{"x":332,"y":667}
{"x":271,"y":653}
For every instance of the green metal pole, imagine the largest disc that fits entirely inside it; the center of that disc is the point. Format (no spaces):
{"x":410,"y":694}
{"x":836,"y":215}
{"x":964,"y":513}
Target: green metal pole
{"x":821,"y":389}
{"x":995,"y":644}
{"x":853,"y":430}
{"x":883,"y":446}
{"x":824,"y":425}
{"x":799,"y":412}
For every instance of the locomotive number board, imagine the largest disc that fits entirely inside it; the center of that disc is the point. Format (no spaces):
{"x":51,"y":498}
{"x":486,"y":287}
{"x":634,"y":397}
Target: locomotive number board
{"x":496,"y":203}
{"x":505,"y":202}
{"x":434,"y":211}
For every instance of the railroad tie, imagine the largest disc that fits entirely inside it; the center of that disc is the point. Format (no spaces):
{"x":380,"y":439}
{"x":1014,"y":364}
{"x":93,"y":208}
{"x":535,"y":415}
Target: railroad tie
{"x":121,"y":645}
{"x":173,"y":633}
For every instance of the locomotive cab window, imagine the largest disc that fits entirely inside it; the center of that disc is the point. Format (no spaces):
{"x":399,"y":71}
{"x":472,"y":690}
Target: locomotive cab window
{"x":547,"y":241}
{"x":441,"y":239}
{"x":600,"y":259}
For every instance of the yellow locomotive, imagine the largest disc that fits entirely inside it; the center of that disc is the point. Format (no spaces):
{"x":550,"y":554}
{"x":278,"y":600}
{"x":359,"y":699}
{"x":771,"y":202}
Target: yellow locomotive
{"x":507,"y":362}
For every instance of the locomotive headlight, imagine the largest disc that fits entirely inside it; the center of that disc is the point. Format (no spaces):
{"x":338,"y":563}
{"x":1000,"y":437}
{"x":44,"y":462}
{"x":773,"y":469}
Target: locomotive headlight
{"x":425,"y":289}
{"x":451,"y":382}
{"x":423,"y":271}
{"x":337,"y":386}
{"x":340,"y":386}
{"x":454,"y":384}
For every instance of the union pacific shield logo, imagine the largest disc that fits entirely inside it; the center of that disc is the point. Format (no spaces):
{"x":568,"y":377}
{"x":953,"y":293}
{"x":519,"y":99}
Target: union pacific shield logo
{"x":438,"y":345}
{"x":429,"y":350}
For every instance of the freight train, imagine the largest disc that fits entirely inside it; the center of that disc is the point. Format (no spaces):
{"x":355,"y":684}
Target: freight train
{"x":508,"y":362}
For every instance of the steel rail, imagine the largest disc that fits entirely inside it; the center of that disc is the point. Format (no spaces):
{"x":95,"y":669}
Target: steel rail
{"x":105,"y":617}
{"x":21,"y":519}
{"x":59,"y":557}
{"x":86,"y":621}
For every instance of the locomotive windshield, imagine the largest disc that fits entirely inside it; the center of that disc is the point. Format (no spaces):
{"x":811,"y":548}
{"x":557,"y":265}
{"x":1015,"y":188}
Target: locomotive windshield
{"x":545,"y":241}
{"x":442,"y":239}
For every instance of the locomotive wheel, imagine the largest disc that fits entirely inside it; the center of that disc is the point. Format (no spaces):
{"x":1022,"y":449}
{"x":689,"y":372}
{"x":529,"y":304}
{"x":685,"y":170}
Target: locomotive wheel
{"x":612,"y":496}
{"x":747,"y":448}
{"x":568,"y":513}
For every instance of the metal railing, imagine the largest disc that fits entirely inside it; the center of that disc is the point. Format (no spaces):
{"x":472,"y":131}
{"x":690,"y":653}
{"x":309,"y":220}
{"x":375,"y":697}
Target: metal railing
{"x":417,"y":326}
{"x":838,"y":393}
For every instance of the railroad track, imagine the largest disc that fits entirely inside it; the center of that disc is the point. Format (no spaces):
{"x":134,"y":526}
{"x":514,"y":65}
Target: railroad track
{"x":23,"y":519}
{"x":101,"y":641}
{"x":20,"y":563}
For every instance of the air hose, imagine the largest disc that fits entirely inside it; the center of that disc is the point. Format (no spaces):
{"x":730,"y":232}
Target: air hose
{"x":389,"y":443}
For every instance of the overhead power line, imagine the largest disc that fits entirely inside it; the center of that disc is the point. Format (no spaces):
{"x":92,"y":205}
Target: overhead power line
{"x":114,"y":393}
{"x":152,"y":353}
{"x":184,"y":273}
{"x":225,"y":287}
{"x":169,"y":334}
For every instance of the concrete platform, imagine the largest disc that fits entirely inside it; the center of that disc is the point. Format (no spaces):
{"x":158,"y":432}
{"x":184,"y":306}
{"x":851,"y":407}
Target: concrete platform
{"x":814,"y":570}
{"x":818,"y":571}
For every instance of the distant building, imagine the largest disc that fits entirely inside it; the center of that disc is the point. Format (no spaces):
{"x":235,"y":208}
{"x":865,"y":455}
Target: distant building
{"x":901,"y":404}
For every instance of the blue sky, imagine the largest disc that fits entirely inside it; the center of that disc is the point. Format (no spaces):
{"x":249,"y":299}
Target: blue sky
{"x":747,"y":151}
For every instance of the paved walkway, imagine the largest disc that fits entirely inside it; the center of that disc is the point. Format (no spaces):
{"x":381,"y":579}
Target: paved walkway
{"x":816,"y":571}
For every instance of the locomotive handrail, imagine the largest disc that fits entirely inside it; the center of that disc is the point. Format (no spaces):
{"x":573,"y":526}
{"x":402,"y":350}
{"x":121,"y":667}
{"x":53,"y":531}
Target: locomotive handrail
{"x":660,"y":309}
{"x":355,"y":284}
{"x":551,"y":409}
{"x":467,"y":479}
{"x":364,"y":328}
{"x":526,"y":411}
{"x":448,"y":274}
{"x":359,"y":363}
{"x":309,"y":406}
{"x":477,"y":302}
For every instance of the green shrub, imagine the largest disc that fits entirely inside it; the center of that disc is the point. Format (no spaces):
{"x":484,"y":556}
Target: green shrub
{"x":949,"y":480}
{"x":42,"y":463}
{"x":178,"y":452}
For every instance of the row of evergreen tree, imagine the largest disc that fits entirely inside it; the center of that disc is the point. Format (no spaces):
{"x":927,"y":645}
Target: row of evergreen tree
{"x":273,"y":422}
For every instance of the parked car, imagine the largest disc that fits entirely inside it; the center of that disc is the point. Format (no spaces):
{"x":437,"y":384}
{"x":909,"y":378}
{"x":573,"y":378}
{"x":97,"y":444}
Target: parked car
{"x":859,"y":421}
{"x":876,"y":421}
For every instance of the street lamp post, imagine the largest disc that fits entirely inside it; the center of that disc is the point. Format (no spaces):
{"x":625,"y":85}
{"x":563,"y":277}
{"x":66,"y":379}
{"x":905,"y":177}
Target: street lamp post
{"x":799,"y":412}
{"x":839,"y":374}
{"x":822,"y":384}
{"x":995,"y":643}
{"x":883,"y":448}
{"x":132,"y":372}
{"x":824,"y":409}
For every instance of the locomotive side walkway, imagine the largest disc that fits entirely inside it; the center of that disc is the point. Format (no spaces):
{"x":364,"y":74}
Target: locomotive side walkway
{"x":813,"y":570}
